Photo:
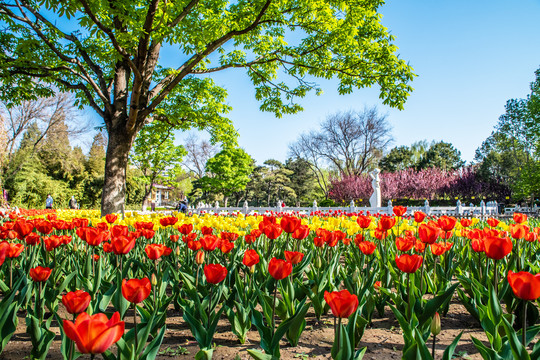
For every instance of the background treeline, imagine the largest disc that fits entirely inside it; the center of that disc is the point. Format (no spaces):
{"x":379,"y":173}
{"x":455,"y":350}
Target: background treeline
{"x":329,"y":165}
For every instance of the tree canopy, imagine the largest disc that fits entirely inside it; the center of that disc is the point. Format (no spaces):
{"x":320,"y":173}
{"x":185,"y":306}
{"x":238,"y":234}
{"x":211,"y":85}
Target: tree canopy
{"x":109,"y":54}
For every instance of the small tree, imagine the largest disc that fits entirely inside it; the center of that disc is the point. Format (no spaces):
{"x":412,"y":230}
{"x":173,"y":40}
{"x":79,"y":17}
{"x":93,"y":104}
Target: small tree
{"x":227,"y":172}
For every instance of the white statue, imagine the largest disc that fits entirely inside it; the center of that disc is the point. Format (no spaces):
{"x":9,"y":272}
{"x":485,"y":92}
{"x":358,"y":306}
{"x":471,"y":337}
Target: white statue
{"x":375,"y":199}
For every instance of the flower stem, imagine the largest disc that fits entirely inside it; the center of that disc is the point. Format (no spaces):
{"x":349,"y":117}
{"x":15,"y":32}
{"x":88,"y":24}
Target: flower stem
{"x":524,"y":335}
{"x":409,"y":296}
{"x":274,"y":308}
{"x":135,"y":324}
{"x":433,"y":347}
{"x":338,"y":336}
{"x":495,"y":278}
{"x":422,"y":272}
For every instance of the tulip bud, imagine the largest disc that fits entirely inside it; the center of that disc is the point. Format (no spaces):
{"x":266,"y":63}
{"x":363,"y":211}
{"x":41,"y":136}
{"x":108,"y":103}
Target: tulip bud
{"x":377,"y":285}
{"x":153,"y":279}
{"x":252,"y":269}
{"x":436,"y":324}
{"x":75,"y":248}
{"x":199,"y":258}
{"x":318,"y":262}
{"x":355,"y":276}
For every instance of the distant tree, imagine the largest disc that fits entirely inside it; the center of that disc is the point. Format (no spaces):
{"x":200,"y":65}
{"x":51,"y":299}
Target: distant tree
{"x":303,"y":182}
{"x":227,"y":172}
{"x":350,"y":142}
{"x":156,"y":156}
{"x":399,"y":158}
{"x":198,"y":153}
{"x":95,"y":165}
{"x":443,"y":156}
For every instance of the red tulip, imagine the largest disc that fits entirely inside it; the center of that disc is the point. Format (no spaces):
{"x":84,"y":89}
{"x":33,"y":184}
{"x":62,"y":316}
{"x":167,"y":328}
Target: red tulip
{"x":294,"y":257}
{"x":279,"y":269}
{"x":386,"y":222}
{"x":419,"y":216}
{"x":209,"y":242}
{"x":14,"y":250}
{"x":199,"y":257}
{"x":520,"y":218}
{"x":205,"y":230}
{"x":111,"y":218}
{"x":399,"y":210}
{"x":185,"y":229}
{"x":215,"y":273}
{"x":4,"y":249}
{"x":497,"y":248}
{"x":367,"y":247}
{"x":136,"y":290}
{"x":525,"y":285}
{"x":342,"y":303}
{"x":492,"y":222}
{"x":32,"y":239}
{"x":76,"y":301}
{"x":409,"y":263}
{"x":272,"y":231}
{"x":174,"y":238}
{"x":121,"y":245}
{"x":301,"y":232}
{"x":168,"y":221}
{"x":478,"y":245}
{"x":194,"y":245}
{"x":226,"y":246}
{"x":438,"y":249}
{"x":52,"y":242}
{"x":155,"y":251}
{"x":94,"y":334}
{"x":428,"y":234}
{"x":363,"y":221}
{"x":447,"y":223}
{"x":250,"y":258}
{"x":40,"y":273}
{"x":290,"y":223}
{"x":465,"y":222}
{"x":406,"y":243}
{"x":518,"y":231}
{"x":23,"y":228}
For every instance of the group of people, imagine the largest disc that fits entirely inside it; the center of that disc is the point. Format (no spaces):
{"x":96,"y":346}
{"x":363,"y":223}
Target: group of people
{"x":49,"y":201}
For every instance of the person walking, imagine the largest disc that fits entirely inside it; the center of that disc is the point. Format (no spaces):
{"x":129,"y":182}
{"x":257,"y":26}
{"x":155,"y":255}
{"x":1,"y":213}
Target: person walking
{"x":49,"y":202}
{"x":73,"y":203}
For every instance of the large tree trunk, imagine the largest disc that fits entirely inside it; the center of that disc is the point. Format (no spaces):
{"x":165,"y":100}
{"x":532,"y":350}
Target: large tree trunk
{"x":116,"y":161}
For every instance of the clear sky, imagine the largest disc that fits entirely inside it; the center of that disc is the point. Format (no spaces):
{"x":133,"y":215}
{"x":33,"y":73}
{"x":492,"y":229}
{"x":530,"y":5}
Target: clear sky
{"x":470,"y":57}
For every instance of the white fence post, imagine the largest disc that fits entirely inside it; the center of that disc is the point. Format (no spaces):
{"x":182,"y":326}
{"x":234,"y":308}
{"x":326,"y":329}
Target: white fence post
{"x":482,"y":208}
{"x":217,"y":207}
{"x":246,"y":208}
{"x":315,"y":207}
{"x":390,"y":208}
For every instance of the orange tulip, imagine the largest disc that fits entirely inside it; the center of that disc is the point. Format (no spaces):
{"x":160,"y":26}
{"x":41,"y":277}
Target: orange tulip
{"x":409,"y":263}
{"x":363,"y":221}
{"x":94,"y":334}
{"x":294,"y":257}
{"x":40,"y":273}
{"x":215,"y":273}
{"x":399,"y":210}
{"x":367,"y":247}
{"x":279,"y":269}
{"x":419,"y":216}
{"x":497,"y":248}
{"x":525,"y":285}
{"x":136,"y":290}
{"x":447,"y":223}
{"x":520,"y":218}
{"x":251,"y":257}
{"x":76,"y":301}
{"x":342,"y":303}
{"x":428,"y":234}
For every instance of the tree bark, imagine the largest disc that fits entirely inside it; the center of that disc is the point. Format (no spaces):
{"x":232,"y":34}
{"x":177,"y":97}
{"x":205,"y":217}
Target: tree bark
{"x":116,"y":162}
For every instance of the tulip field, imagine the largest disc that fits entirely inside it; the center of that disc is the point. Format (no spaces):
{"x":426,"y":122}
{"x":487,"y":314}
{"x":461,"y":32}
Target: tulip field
{"x":82,"y":286}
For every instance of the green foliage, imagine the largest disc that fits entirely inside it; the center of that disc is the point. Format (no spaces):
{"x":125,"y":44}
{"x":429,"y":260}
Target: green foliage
{"x":420,"y":156}
{"x":511,"y":154}
{"x":227,"y":172}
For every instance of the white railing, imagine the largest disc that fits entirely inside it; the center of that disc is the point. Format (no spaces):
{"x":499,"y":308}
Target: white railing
{"x":483,"y":209}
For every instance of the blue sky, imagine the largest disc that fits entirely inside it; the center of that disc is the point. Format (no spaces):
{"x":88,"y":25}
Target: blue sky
{"x":470,"y":57}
